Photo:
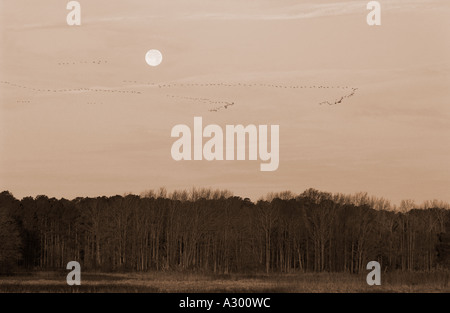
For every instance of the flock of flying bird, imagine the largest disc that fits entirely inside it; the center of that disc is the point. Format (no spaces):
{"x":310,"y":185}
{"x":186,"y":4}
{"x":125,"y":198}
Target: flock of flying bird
{"x":224,"y":105}
{"x":222,"y":84}
{"x":70,"y":89}
{"x":341,"y":99}
{"x":83,"y":62}
{"x":227,"y":104}
{"x":219,"y":104}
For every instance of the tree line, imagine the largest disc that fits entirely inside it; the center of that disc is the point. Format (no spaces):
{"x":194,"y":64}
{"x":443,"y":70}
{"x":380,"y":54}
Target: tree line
{"x":214,"y":231}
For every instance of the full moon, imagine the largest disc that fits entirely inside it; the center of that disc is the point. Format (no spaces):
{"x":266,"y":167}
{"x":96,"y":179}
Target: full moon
{"x":153,"y":57}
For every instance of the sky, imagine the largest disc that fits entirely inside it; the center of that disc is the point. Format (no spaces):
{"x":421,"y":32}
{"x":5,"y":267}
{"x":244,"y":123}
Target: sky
{"x":82,"y":114}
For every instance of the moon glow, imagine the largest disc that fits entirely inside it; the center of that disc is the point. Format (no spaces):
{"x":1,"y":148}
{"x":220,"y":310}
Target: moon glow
{"x":153,"y":57}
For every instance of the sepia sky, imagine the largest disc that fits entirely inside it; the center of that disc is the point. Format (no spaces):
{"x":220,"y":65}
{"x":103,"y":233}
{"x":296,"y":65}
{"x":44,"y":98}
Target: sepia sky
{"x":82,"y":114}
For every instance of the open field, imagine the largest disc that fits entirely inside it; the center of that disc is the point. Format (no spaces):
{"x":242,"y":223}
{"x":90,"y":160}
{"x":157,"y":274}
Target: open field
{"x":156,"y":282}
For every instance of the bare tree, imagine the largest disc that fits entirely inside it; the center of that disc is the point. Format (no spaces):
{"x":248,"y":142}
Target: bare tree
{"x":10,"y":242}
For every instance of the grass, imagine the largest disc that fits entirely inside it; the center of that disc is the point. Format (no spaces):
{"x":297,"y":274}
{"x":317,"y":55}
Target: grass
{"x":162,"y":282}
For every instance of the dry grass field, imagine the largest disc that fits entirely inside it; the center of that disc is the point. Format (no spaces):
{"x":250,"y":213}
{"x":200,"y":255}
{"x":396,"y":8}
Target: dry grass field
{"x":160,"y":282}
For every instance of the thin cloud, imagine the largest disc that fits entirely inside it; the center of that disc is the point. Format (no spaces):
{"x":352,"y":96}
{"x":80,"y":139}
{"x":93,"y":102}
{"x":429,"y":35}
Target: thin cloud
{"x":289,"y":12}
{"x":315,"y":10}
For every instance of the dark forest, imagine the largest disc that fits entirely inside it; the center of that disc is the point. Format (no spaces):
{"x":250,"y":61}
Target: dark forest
{"x":213,"y":231}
